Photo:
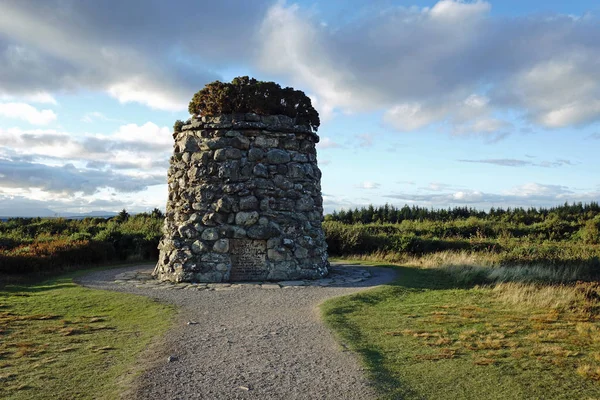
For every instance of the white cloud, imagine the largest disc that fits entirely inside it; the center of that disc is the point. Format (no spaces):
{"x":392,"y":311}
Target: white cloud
{"x":327,"y":143}
{"x":42,"y":97}
{"x":139,"y":91}
{"x":452,"y":11}
{"x":438,"y":187}
{"x":368,"y":185}
{"x":511,"y":162}
{"x":84,"y":46}
{"x":69,"y":179}
{"x":331,"y":203}
{"x":536,"y":189}
{"x":292,"y":44}
{"x":94,"y":116}
{"x":526,"y":195}
{"x":131,"y":146}
{"x":452,"y":64}
{"x":412,"y":116}
{"x":27,"y":113}
{"x":147,"y":133}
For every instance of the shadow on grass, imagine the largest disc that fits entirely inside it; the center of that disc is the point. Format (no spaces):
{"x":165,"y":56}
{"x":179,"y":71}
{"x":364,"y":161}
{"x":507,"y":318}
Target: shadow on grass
{"x":408,"y":280}
{"x":73,"y":271}
{"x":23,"y":290}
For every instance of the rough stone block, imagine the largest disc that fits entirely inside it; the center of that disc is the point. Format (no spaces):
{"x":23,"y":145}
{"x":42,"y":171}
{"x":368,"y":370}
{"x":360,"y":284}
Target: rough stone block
{"x":246,"y":218}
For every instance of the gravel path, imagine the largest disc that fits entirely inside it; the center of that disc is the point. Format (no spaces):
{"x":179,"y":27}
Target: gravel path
{"x":249,"y":342}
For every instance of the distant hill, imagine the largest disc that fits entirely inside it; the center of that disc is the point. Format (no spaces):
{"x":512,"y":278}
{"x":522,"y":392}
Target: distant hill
{"x":47,"y":213}
{"x":94,"y":214}
{"x":26,"y":212}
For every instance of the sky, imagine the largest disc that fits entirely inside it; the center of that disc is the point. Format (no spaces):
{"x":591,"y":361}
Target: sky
{"x":431,"y":103}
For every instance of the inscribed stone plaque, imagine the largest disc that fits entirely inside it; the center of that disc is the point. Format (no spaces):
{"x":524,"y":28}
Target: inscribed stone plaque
{"x":248,"y":259}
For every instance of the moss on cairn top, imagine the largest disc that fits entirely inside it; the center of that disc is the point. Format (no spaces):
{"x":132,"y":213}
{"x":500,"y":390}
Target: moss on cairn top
{"x":247,"y":95}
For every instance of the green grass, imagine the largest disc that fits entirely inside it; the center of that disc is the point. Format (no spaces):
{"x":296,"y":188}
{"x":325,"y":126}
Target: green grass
{"x":425,"y":336}
{"x":62,"y":341}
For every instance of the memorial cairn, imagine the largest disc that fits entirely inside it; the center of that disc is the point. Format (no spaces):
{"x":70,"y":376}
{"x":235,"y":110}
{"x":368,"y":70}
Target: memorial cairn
{"x":245,"y":198}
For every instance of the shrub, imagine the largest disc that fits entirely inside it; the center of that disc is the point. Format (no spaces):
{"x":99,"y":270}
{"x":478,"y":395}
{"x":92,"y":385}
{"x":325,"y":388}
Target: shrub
{"x":590,"y":233}
{"x":178,"y":126}
{"x":54,"y":256}
{"x":246,"y":95}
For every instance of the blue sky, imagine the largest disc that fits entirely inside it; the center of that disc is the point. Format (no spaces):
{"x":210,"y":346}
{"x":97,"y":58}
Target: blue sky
{"x":435,"y":103}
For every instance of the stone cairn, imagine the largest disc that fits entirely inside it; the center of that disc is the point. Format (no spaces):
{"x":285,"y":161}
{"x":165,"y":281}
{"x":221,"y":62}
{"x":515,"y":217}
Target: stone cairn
{"x":244,"y":202}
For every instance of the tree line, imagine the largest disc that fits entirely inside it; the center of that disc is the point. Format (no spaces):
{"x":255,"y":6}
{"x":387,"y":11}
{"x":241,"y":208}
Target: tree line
{"x":575,"y":212}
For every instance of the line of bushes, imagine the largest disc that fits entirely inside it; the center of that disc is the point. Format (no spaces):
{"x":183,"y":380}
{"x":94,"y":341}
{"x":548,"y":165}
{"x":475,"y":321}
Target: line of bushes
{"x":414,"y":239}
{"x":44,"y":245}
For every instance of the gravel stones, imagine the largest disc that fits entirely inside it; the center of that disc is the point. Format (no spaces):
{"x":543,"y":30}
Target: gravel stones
{"x":269,"y":340}
{"x":243,"y":177}
{"x":340,"y":275}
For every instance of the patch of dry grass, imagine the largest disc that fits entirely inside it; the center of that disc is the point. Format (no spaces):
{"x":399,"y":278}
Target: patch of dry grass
{"x":59,"y":340}
{"x":544,"y":327}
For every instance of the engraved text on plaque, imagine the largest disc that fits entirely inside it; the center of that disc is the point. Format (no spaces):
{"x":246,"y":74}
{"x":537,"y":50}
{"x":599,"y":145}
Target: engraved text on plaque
{"x":248,"y":260}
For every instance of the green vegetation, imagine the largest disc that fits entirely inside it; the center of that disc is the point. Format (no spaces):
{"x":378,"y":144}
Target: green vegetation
{"x":178,"y":126}
{"x":561,"y":236}
{"x":62,"y":341}
{"x":247,"y":95}
{"x":499,"y":304}
{"x":435,"y":334}
{"x":50,"y":245}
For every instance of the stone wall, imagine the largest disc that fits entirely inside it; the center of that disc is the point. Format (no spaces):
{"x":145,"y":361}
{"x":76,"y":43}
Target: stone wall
{"x":244,"y":202}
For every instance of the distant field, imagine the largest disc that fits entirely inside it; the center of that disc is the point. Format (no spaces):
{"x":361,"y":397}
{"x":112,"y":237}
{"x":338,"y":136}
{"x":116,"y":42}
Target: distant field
{"x":54,"y":245}
{"x":568,"y":235}
{"x":563,"y":236}
{"x":434,"y":334}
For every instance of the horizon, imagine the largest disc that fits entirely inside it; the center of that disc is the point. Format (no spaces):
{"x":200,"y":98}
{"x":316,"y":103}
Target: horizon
{"x":111,"y":214}
{"x":435,"y":104}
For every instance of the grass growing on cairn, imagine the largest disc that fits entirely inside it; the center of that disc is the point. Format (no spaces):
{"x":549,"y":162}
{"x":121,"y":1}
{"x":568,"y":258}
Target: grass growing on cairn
{"x":434,"y":333}
{"x":59,"y":340}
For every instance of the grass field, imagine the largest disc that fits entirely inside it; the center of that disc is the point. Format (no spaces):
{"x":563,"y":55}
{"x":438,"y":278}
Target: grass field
{"x":432,"y":334}
{"x":62,"y":341}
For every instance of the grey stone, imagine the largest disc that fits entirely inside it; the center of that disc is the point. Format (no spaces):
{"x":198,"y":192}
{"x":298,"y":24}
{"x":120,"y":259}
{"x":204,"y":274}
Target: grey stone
{"x":212,"y":219}
{"x":265,"y":142}
{"x":292,"y":283}
{"x":210,"y":234}
{"x":252,"y":117}
{"x":261,"y":170}
{"x":222,"y":267}
{"x":255,"y":154}
{"x":262,"y":232}
{"x":277,"y":254}
{"x":299,"y":157}
{"x":221,"y":246}
{"x":306,"y":204}
{"x":246,"y":218}
{"x":224,"y":204}
{"x":300,"y":252}
{"x":227,"y":153}
{"x":277,"y":156}
{"x":273,"y":242}
{"x":248,"y":203}
{"x":241,"y":143}
{"x":199,"y":247}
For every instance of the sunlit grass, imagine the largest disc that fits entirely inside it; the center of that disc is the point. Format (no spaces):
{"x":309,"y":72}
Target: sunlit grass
{"x":435,"y":334}
{"x":62,"y":341}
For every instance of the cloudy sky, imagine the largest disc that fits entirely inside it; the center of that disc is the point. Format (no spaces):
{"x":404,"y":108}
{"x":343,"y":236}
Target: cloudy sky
{"x":479,"y":103}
